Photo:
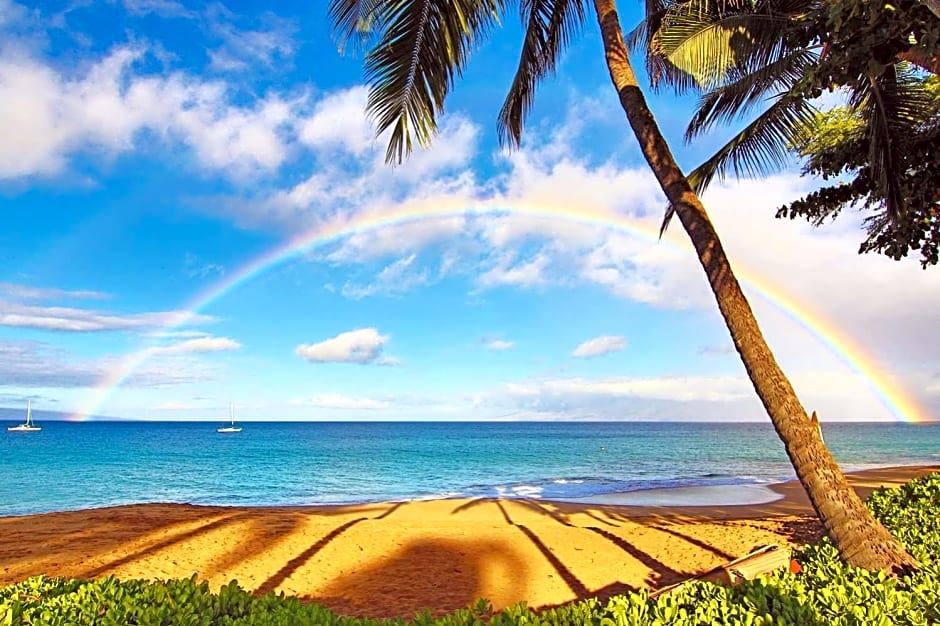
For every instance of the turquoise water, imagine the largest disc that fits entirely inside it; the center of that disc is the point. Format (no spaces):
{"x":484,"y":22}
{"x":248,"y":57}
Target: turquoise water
{"x":94,"y":464}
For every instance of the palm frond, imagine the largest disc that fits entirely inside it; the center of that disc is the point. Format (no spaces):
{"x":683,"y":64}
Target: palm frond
{"x":410,"y":71}
{"x":894,"y":105}
{"x":881,"y":101}
{"x":761,"y":148}
{"x":711,"y":48}
{"x":355,"y":21}
{"x":658,"y":68}
{"x":642,"y":34}
{"x":745,"y":89}
{"x":550,"y":25}
{"x":695,"y":43}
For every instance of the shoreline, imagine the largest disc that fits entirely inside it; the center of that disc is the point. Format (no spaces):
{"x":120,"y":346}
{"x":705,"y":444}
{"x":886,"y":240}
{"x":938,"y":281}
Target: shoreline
{"x":693,"y":497}
{"x":395,"y":558}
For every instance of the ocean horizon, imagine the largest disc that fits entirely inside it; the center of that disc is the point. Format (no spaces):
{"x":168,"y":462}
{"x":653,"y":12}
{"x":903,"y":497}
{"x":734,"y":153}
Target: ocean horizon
{"x":77,"y":465}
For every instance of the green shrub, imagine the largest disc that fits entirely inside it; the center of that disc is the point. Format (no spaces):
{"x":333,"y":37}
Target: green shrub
{"x":827,"y":592}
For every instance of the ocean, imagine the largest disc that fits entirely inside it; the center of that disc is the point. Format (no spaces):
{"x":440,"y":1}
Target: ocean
{"x":95,"y":464}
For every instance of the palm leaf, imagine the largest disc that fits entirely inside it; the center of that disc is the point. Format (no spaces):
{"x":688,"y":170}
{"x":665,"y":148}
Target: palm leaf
{"x":761,"y":148}
{"x":549,"y":27}
{"x":745,"y":89}
{"x":410,"y":71}
{"x":894,"y":105}
{"x":658,"y":68}
{"x":880,"y":108}
{"x":355,"y":21}
{"x":709,"y":49}
{"x":703,"y":40}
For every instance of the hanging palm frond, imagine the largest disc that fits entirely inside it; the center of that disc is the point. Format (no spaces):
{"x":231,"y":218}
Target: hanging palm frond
{"x":658,"y":68}
{"x":550,"y":25}
{"x":710,"y":49}
{"x":356,"y":22}
{"x":747,"y":89}
{"x":761,"y":148}
{"x":424,"y":44}
{"x":894,"y":105}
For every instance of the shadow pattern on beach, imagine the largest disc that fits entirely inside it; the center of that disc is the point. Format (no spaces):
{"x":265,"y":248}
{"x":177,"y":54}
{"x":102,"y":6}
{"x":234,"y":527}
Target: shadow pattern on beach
{"x":421,"y":566}
{"x":297,"y":562}
{"x":576,"y":586}
{"x":438,"y":576}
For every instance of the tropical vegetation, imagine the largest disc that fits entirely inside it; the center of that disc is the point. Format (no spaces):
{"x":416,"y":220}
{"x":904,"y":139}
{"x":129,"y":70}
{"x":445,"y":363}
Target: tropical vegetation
{"x":825,"y":592}
{"x":416,"y":49}
{"x":773,"y":59}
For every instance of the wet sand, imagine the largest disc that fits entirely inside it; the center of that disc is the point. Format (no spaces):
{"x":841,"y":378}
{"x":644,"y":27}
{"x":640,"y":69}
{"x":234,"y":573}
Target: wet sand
{"x":389,"y":559}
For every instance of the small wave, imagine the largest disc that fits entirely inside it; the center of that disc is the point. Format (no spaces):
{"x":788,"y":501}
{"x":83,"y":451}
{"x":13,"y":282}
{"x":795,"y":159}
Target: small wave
{"x":447,"y":495}
{"x":527,"y":491}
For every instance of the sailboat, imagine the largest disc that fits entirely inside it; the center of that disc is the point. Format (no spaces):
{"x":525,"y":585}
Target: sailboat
{"x":233,"y":428}
{"x":29,"y":426}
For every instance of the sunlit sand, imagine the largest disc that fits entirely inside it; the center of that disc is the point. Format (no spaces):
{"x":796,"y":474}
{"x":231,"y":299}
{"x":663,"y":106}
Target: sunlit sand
{"x":391,"y":559}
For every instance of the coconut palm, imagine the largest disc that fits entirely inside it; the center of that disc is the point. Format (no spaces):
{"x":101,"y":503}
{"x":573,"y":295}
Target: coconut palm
{"x":774,"y":56}
{"x":415,"y":50}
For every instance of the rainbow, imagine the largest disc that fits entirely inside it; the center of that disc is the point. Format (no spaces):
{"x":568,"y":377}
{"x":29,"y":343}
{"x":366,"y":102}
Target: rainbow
{"x":339,"y":227}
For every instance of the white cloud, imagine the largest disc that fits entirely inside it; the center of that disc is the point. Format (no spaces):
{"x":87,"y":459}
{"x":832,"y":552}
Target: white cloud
{"x":70,"y":319}
{"x":837,"y":396}
{"x":679,"y":388}
{"x":396,"y":278}
{"x":271,"y":44}
{"x":666,"y":274}
{"x":351,"y":176}
{"x":47,"y":116}
{"x":505,"y":271}
{"x":163,"y":8}
{"x":339,"y":122}
{"x":499,"y":345}
{"x":11,"y":13}
{"x":39,"y":365}
{"x":364,"y":345}
{"x":340,"y":401}
{"x":199,"y":345}
{"x":28,"y":292}
{"x":194,"y":268}
{"x":411,"y":236}
{"x":600,"y":345}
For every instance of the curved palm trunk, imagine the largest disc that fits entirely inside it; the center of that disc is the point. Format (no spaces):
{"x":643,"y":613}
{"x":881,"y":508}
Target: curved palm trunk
{"x":859,"y":537}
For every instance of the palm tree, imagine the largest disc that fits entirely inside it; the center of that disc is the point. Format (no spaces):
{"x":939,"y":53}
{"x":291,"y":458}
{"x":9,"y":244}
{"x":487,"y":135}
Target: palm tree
{"x":419,"y":47}
{"x":774,"y":55}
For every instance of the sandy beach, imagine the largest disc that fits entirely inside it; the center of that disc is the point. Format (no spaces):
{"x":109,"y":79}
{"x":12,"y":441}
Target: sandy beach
{"x":389,"y":559}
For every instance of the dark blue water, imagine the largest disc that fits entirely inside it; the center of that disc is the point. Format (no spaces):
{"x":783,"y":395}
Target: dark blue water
{"x":70,"y":466}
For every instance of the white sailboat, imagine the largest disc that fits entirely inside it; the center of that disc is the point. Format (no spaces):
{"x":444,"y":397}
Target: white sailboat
{"x":233,"y":428}
{"x":28,"y":426}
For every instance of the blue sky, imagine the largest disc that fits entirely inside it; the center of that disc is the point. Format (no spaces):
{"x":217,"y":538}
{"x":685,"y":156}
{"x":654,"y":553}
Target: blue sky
{"x":153,"y":148}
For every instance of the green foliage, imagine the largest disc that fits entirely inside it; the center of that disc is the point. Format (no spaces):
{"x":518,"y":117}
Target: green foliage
{"x":775,"y":57}
{"x":912,"y":514}
{"x":421,"y":45}
{"x":836,"y":145}
{"x":827,"y":592}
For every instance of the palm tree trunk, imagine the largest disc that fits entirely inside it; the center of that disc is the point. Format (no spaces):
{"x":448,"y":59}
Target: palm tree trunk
{"x":859,"y":537}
